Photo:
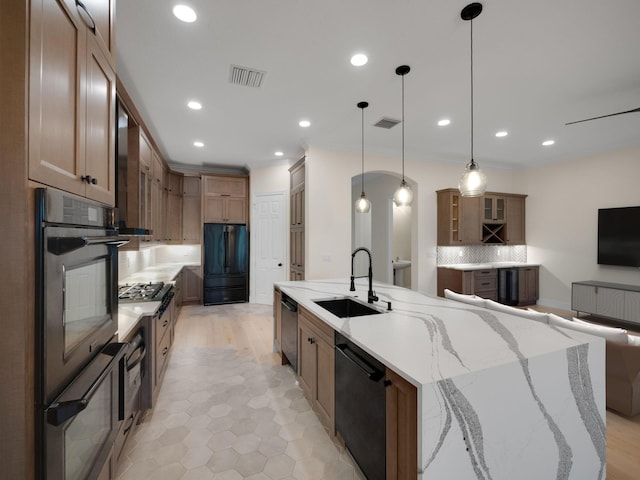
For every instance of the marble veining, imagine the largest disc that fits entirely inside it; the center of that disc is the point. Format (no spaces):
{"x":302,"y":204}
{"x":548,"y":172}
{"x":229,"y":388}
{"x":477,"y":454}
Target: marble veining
{"x":514,"y":397}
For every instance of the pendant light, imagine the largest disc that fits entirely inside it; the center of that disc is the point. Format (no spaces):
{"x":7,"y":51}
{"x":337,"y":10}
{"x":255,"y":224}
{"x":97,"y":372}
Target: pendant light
{"x":363,"y":205}
{"x":473,"y":181}
{"x":403,"y":195}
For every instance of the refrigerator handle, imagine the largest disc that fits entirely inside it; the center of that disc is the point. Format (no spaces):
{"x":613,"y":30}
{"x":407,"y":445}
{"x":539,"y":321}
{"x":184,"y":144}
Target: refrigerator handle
{"x":226,"y":249}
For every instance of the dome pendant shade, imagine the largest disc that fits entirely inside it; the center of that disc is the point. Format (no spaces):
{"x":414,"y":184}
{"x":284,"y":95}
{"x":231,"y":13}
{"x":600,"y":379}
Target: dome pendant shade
{"x":403,"y":196}
{"x":363,"y":205}
{"x":473,"y":182}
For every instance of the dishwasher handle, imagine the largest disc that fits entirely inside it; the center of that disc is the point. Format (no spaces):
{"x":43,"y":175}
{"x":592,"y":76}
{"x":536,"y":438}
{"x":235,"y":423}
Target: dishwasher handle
{"x":292,"y":307}
{"x":373,"y":373}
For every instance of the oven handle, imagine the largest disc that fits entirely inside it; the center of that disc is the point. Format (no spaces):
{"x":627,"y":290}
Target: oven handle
{"x":63,"y":245}
{"x":60,"y":412}
{"x":139,"y":358}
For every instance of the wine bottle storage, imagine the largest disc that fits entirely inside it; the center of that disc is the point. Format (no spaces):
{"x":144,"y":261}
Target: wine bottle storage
{"x":493,"y":233}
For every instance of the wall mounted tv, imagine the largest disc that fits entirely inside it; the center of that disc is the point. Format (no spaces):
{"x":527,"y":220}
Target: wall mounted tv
{"x":619,"y":236}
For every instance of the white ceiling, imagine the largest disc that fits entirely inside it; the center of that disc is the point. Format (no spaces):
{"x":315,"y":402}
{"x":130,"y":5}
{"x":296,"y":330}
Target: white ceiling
{"x":537,"y":65}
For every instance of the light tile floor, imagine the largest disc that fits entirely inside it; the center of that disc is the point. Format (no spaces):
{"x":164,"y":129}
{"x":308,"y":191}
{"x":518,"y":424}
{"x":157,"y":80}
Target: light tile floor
{"x":222,"y":416}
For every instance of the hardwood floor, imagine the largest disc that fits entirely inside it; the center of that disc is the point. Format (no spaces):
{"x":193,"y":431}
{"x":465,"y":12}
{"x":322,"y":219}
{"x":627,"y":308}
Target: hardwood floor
{"x":250,"y":328}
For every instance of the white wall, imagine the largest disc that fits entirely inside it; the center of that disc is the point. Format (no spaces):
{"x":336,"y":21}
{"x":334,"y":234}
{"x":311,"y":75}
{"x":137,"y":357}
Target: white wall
{"x":401,"y":233}
{"x":329,"y":206}
{"x":562,"y":220}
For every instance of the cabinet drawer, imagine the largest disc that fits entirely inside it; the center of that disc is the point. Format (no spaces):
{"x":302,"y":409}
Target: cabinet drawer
{"x":485,"y":283}
{"x":162,"y":326}
{"x":321,"y":328}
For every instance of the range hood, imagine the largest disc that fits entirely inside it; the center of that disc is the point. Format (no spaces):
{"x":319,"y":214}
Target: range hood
{"x":122,"y":160}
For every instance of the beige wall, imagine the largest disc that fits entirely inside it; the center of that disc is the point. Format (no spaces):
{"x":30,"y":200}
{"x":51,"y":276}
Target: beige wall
{"x":329,"y":206}
{"x":562,"y":220}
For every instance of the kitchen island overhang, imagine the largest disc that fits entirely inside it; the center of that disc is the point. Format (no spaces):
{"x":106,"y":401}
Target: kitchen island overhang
{"x":499,"y":396}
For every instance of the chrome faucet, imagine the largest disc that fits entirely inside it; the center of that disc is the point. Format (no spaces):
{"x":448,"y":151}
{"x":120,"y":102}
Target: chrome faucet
{"x":371,"y":295}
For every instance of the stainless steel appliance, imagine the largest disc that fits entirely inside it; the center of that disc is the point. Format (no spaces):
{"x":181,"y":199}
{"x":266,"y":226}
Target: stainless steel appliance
{"x":289,"y":309}
{"x":226,"y":263}
{"x":360,"y":406}
{"x":77,"y":362}
{"x":143,"y":292}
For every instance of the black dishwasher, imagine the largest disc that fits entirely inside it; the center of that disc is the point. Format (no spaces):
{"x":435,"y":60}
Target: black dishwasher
{"x":360,"y":406}
{"x":289,"y":310}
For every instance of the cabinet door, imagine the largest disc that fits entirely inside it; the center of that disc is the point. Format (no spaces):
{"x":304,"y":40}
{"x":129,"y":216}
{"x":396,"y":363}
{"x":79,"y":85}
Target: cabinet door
{"x":307,"y":365}
{"x":100,"y":125}
{"x":191,"y":186}
{"x":610,"y":302}
{"x":277,"y":320}
{"x":191,"y":222}
{"x":236,"y":210}
{"x":528,"y":285}
{"x":470,"y":229}
{"x":632,"y":307}
{"x":583,"y":298}
{"x":192,"y":285}
{"x":494,"y":209}
{"x":103,"y":13}
{"x":174,"y":218}
{"x":515,"y":220}
{"x":57,"y":105}
{"x":325,"y":383}
{"x":220,"y":185}
{"x":214,"y":209}
{"x":402,"y":428}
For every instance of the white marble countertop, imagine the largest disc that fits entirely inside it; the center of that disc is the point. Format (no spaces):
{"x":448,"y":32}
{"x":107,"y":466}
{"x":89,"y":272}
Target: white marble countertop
{"x":482,"y":266}
{"x":129,"y":314}
{"x":425,"y":338}
{"x":499,"y":396}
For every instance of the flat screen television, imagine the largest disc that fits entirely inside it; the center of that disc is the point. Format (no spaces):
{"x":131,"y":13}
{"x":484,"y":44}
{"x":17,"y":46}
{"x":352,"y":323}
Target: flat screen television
{"x":619,"y":236}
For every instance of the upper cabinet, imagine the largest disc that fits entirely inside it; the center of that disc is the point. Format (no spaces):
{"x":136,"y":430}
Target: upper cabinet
{"x":191,"y":218}
{"x":72,"y":91}
{"x":496,"y":218}
{"x":224,"y":199}
{"x":297,"y":228}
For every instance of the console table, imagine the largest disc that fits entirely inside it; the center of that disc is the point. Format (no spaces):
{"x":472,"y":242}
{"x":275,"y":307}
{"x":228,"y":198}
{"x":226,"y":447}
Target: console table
{"x":611,"y":300}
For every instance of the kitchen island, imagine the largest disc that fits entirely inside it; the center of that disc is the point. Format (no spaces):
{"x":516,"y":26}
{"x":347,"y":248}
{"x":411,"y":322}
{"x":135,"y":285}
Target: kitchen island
{"x":499,"y":396}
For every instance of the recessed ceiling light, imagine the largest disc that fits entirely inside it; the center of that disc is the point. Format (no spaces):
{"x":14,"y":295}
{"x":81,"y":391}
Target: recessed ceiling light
{"x":198,"y":144}
{"x":359,"y":59}
{"x":502,"y":133}
{"x":444,"y":122}
{"x":548,"y":143}
{"x":193,"y":105}
{"x":304,"y":123}
{"x":278,"y":154}
{"x":184,"y":13}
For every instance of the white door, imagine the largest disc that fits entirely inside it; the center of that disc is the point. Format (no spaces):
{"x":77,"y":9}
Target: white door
{"x":269,"y":245}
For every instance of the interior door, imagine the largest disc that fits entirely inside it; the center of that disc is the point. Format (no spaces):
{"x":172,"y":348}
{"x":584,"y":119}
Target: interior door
{"x":269,"y":245}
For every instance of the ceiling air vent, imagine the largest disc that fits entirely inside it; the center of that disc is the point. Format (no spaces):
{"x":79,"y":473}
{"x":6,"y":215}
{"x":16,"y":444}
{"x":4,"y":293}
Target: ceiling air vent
{"x":386,"y":122}
{"x":246,"y":77}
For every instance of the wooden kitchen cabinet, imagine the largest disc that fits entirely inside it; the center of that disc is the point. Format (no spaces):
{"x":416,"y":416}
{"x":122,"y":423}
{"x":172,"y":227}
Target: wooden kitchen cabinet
{"x":224,"y":199}
{"x":402,"y":428}
{"x":515,"y":219}
{"x":192,"y":284}
{"x":297,"y":220}
{"x":191,"y":219}
{"x":277,"y":320}
{"x":493,"y":209}
{"x":174,"y":208}
{"x":528,"y":281}
{"x":316,"y":365}
{"x":483,"y":283}
{"x":459,"y":220}
{"x":72,"y":127}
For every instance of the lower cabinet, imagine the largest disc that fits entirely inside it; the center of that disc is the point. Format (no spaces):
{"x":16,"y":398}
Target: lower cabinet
{"x":277,"y":320}
{"x":108,"y":471}
{"x":611,"y":300}
{"x":528,"y":280}
{"x":316,"y":364}
{"x":402,"y":428}
{"x":191,"y":285}
{"x":483,"y":283}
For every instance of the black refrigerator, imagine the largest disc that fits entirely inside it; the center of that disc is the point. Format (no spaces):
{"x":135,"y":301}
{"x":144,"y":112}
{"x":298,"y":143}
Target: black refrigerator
{"x":226,"y":263}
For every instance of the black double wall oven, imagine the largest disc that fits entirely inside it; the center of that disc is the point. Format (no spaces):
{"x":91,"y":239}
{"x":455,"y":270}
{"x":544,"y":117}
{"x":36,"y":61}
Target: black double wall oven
{"x":80,"y":369}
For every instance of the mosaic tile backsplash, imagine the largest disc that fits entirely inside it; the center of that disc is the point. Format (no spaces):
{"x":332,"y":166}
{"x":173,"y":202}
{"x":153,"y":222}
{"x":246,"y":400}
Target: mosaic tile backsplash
{"x":481,"y":254}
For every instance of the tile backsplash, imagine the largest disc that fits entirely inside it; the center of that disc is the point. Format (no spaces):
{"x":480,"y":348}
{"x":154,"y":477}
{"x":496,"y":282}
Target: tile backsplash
{"x":481,"y":254}
{"x":132,"y":262}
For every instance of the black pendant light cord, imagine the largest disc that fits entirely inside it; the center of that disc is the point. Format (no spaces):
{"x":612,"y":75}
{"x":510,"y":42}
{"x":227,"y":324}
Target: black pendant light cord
{"x":362,"y":151}
{"x":403,"y":128}
{"x":471,"y":91}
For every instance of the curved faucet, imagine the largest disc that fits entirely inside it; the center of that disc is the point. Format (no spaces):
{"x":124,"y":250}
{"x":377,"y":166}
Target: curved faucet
{"x":371,"y":295}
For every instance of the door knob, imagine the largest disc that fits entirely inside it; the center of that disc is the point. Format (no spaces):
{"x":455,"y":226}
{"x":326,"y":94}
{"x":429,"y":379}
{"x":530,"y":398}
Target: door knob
{"x":280,"y":264}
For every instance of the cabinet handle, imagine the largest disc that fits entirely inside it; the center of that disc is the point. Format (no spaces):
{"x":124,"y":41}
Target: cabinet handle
{"x":86,"y":18}
{"x":165,"y":323}
{"x":387,"y":383}
{"x":486,"y":283}
{"x":164,"y":351}
{"x":311,"y":340}
{"x":89,"y":179}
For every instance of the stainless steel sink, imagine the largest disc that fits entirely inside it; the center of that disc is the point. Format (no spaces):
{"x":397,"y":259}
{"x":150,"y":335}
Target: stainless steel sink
{"x":346,"y":307}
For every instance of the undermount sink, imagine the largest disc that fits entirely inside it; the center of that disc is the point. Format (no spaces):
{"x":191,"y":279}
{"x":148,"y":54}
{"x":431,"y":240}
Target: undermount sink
{"x":346,"y":307}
